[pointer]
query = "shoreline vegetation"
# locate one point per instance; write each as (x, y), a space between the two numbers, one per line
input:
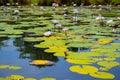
(60, 2)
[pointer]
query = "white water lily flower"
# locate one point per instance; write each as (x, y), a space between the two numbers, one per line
(48, 33)
(42, 8)
(100, 18)
(118, 18)
(109, 21)
(16, 12)
(16, 3)
(65, 29)
(8, 4)
(58, 25)
(74, 4)
(64, 8)
(55, 21)
(75, 11)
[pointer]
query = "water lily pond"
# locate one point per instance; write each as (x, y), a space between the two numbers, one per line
(62, 43)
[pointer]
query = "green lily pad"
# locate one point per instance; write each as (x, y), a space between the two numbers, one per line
(32, 39)
(49, 43)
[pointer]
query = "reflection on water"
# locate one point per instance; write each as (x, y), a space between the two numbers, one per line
(79, 49)
(19, 53)
(28, 51)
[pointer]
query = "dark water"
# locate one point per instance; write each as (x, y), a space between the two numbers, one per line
(19, 53)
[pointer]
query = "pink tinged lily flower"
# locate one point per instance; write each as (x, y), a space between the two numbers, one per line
(32, 4)
(100, 9)
(48, 33)
(100, 17)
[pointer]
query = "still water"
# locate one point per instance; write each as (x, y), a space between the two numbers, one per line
(15, 51)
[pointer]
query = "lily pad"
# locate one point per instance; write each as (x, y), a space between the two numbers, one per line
(106, 65)
(47, 79)
(32, 39)
(16, 77)
(82, 61)
(56, 49)
(4, 66)
(105, 40)
(84, 69)
(102, 75)
(14, 67)
(41, 62)
(30, 79)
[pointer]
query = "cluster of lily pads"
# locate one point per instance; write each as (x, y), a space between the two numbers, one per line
(32, 24)
(20, 77)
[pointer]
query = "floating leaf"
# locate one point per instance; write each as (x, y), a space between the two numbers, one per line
(4, 66)
(41, 62)
(16, 77)
(106, 65)
(56, 49)
(48, 79)
(30, 79)
(109, 59)
(59, 54)
(32, 39)
(49, 43)
(14, 67)
(82, 61)
(3, 79)
(102, 75)
(84, 69)
(104, 40)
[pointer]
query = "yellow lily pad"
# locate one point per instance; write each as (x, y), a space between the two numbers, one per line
(102, 75)
(16, 77)
(14, 67)
(30, 79)
(56, 49)
(84, 69)
(109, 59)
(4, 66)
(41, 62)
(47, 79)
(105, 40)
(82, 61)
(106, 65)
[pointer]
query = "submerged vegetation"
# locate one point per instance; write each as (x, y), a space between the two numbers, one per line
(90, 42)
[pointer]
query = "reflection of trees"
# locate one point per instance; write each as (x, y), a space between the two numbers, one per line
(2, 44)
(28, 51)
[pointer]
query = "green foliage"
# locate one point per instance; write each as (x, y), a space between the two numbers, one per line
(115, 1)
